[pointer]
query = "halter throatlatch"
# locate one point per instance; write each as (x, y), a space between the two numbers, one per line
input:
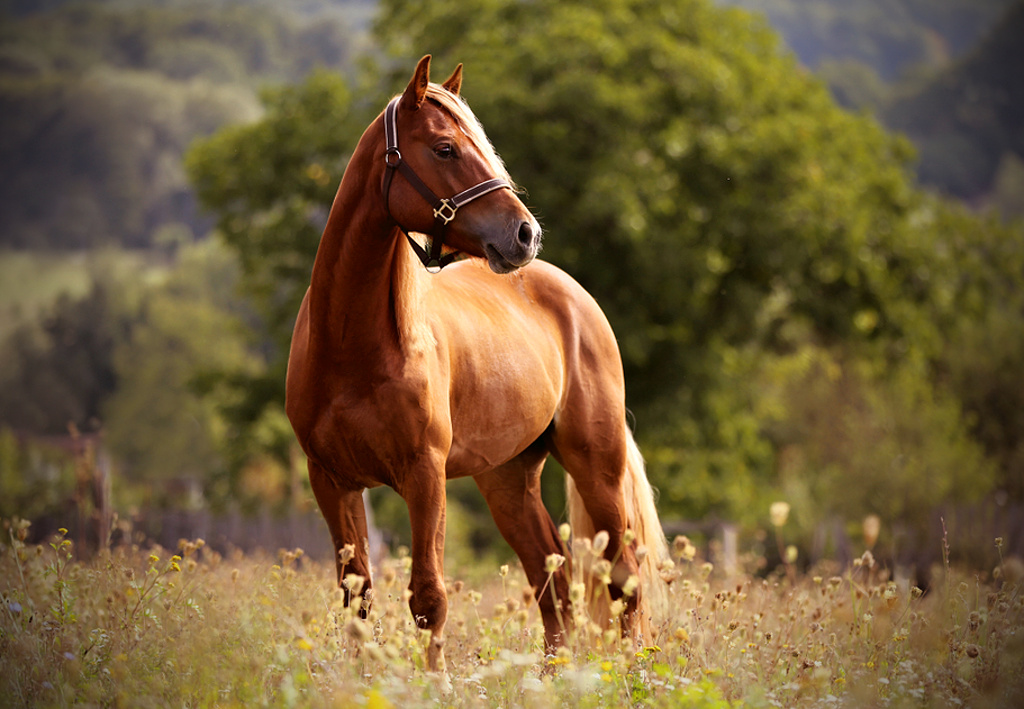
(444, 209)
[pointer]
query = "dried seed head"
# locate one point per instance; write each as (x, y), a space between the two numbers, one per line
(778, 512)
(347, 553)
(641, 554)
(354, 583)
(553, 562)
(870, 527)
(600, 542)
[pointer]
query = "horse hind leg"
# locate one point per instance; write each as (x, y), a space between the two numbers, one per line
(345, 515)
(601, 461)
(512, 492)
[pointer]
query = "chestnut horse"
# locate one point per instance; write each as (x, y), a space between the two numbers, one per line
(400, 378)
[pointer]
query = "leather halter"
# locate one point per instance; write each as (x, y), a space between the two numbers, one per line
(444, 209)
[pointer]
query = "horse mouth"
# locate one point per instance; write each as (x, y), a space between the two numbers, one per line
(498, 263)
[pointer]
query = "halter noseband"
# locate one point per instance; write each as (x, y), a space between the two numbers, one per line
(444, 209)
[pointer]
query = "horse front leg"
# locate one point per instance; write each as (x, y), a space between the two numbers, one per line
(345, 515)
(425, 496)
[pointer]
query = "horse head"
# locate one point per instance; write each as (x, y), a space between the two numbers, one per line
(439, 144)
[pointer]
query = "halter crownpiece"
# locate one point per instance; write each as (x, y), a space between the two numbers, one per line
(444, 208)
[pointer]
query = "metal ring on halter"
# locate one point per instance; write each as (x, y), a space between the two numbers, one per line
(445, 211)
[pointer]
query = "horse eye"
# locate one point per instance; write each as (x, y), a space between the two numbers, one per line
(444, 150)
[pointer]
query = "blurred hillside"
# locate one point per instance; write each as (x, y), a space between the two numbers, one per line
(944, 72)
(99, 101)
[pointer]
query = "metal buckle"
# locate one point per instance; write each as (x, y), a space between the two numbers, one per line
(445, 211)
(392, 153)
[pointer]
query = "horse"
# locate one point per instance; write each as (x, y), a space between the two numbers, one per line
(406, 377)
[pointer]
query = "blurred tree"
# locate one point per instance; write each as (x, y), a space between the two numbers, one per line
(270, 184)
(60, 371)
(721, 207)
(706, 190)
(157, 427)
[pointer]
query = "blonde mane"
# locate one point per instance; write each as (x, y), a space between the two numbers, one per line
(470, 125)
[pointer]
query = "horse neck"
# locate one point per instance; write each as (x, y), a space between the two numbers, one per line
(365, 292)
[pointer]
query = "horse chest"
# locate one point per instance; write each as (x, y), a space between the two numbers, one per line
(370, 435)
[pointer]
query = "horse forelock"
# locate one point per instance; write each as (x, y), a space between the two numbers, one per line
(470, 125)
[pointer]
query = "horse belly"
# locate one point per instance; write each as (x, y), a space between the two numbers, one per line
(495, 417)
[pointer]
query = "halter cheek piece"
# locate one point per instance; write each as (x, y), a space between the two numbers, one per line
(444, 209)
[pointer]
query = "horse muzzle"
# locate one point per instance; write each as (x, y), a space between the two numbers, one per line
(514, 251)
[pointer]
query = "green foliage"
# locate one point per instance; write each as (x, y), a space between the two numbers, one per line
(727, 215)
(61, 372)
(853, 441)
(156, 425)
(708, 192)
(270, 183)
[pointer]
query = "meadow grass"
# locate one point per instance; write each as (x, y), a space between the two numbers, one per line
(187, 627)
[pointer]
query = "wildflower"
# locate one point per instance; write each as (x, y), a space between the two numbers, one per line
(628, 537)
(600, 542)
(641, 554)
(684, 549)
(791, 554)
(682, 635)
(553, 562)
(617, 607)
(870, 527)
(576, 593)
(347, 553)
(564, 532)
(603, 571)
(503, 571)
(354, 583)
(778, 512)
(706, 568)
(358, 630)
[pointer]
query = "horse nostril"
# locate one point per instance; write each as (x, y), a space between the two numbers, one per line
(525, 234)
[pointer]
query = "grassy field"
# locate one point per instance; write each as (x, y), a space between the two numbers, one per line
(186, 627)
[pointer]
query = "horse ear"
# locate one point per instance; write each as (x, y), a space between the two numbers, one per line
(454, 82)
(416, 91)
